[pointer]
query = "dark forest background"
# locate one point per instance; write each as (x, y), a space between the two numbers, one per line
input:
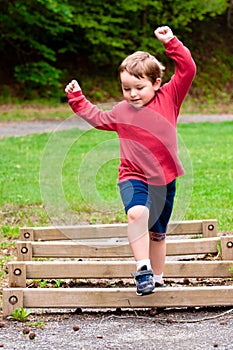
(45, 43)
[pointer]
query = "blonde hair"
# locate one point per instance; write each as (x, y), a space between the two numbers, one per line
(142, 64)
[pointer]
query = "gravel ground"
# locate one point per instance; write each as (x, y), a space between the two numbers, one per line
(170, 329)
(177, 329)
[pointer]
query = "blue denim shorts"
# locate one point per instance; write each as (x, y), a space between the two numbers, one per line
(158, 199)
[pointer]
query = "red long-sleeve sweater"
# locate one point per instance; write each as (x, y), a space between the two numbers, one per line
(148, 136)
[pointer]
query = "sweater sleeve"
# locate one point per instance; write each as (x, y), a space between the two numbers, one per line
(185, 70)
(104, 120)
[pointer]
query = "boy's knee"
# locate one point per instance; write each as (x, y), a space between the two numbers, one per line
(157, 236)
(138, 212)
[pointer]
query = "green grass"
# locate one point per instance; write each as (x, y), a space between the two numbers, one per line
(210, 148)
(36, 111)
(53, 109)
(70, 176)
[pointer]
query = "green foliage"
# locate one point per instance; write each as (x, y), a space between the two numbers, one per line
(214, 58)
(9, 232)
(41, 37)
(20, 314)
(113, 31)
(182, 13)
(37, 324)
(4, 259)
(40, 75)
(47, 283)
(32, 32)
(30, 25)
(42, 284)
(58, 283)
(6, 95)
(219, 248)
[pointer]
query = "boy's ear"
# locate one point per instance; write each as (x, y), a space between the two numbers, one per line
(157, 84)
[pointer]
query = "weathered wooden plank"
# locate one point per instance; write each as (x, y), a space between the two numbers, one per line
(227, 247)
(192, 246)
(24, 251)
(73, 249)
(74, 232)
(198, 269)
(113, 269)
(27, 234)
(111, 249)
(12, 298)
(119, 297)
(209, 228)
(19, 272)
(206, 227)
(89, 231)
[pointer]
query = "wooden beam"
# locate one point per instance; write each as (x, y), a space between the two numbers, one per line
(27, 234)
(227, 247)
(118, 297)
(19, 272)
(209, 228)
(192, 246)
(76, 232)
(108, 249)
(12, 298)
(24, 251)
(190, 227)
(198, 269)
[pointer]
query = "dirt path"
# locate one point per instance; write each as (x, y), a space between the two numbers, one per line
(22, 128)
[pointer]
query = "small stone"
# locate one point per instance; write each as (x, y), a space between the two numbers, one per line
(118, 311)
(2, 324)
(76, 327)
(99, 336)
(223, 323)
(78, 311)
(186, 281)
(153, 311)
(32, 335)
(170, 320)
(26, 330)
(1, 345)
(215, 345)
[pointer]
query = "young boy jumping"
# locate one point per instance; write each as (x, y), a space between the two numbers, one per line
(146, 126)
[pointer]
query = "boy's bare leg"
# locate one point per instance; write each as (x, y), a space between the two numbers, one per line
(157, 256)
(138, 231)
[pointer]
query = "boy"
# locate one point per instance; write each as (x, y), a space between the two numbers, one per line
(146, 126)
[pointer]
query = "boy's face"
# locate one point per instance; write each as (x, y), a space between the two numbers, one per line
(138, 91)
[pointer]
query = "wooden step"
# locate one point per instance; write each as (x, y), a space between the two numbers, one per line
(114, 297)
(206, 228)
(118, 249)
(19, 272)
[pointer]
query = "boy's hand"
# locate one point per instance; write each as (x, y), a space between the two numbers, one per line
(72, 87)
(164, 34)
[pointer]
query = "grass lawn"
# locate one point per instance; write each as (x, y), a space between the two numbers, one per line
(53, 109)
(210, 149)
(71, 176)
